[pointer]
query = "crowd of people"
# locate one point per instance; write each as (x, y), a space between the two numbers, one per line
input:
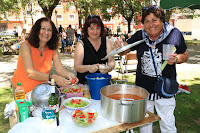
(41, 49)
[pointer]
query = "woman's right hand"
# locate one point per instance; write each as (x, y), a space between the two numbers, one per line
(118, 44)
(61, 81)
(93, 68)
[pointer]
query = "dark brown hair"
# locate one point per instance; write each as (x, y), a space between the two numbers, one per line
(35, 30)
(93, 19)
(156, 10)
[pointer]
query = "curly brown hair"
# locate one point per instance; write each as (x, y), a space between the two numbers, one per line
(34, 40)
(93, 19)
(156, 10)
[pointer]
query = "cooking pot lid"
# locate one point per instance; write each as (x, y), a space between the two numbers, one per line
(42, 89)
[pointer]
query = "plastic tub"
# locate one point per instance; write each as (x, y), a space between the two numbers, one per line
(96, 81)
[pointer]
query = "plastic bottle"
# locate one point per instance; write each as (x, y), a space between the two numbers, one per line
(53, 101)
(19, 92)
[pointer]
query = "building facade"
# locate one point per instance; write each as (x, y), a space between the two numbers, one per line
(117, 25)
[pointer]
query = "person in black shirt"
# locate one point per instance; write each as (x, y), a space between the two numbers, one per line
(156, 33)
(91, 49)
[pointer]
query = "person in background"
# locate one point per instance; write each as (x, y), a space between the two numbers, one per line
(91, 49)
(122, 37)
(60, 29)
(70, 38)
(15, 31)
(79, 33)
(157, 32)
(63, 40)
(36, 55)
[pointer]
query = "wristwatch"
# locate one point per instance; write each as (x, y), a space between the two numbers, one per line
(50, 77)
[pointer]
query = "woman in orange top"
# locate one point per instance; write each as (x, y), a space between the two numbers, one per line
(36, 56)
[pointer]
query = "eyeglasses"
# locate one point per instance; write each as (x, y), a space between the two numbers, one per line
(155, 7)
(93, 16)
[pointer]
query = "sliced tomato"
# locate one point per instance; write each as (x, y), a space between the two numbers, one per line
(90, 121)
(77, 101)
(90, 113)
(77, 111)
(81, 116)
(79, 90)
(73, 81)
(74, 115)
(74, 90)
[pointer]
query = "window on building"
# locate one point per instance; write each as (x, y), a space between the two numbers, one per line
(109, 27)
(119, 28)
(71, 5)
(59, 17)
(71, 17)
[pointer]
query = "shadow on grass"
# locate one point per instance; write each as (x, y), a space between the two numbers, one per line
(187, 112)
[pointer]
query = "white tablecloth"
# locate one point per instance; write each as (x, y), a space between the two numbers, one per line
(36, 125)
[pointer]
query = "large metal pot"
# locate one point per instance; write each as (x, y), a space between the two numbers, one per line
(123, 110)
(41, 94)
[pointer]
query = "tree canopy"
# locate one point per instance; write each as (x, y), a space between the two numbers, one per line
(129, 9)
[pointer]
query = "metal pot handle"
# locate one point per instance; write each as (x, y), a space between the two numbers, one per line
(127, 101)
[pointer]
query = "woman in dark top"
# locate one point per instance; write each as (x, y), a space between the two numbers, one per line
(156, 33)
(91, 49)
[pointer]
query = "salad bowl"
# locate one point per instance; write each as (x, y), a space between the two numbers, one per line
(84, 118)
(74, 103)
(72, 91)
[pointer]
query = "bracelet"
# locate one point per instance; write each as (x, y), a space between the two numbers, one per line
(176, 59)
(50, 77)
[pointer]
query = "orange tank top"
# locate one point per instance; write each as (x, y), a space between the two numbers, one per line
(42, 64)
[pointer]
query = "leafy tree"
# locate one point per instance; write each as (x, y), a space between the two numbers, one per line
(8, 6)
(48, 6)
(129, 9)
(86, 8)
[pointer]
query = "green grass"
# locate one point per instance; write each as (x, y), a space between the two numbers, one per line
(5, 98)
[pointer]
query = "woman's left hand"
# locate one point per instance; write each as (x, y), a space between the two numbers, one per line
(173, 59)
(104, 68)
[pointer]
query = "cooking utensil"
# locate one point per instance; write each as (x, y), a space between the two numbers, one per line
(117, 51)
(41, 94)
(123, 110)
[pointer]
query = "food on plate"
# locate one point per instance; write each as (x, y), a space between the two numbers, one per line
(85, 117)
(73, 91)
(76, 103)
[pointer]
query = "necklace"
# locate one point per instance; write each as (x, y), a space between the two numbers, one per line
(41, 54)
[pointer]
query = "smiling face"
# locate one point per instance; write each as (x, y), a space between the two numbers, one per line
(94, 31)
(45, 33)
(153, 26)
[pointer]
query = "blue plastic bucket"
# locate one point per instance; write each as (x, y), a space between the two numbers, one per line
(96, 81)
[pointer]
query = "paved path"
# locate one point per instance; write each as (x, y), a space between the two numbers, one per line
(8, 64)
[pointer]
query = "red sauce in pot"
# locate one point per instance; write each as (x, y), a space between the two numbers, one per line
(120, 96)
